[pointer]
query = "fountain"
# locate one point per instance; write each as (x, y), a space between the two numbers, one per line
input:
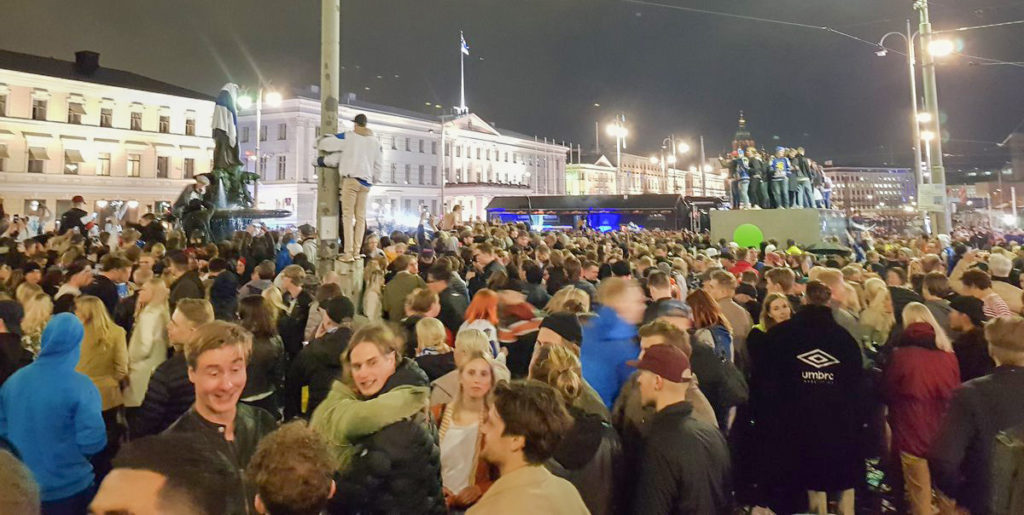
(228, 193)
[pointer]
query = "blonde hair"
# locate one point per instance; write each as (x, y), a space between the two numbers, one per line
(26, 291)
(874, 315)
(160, 296)
(430, 335)
(276, 301)
(559, 368)
(214, 335)
(38, 310)
(852, 301)
(917, 312)
(569, 300)
(96, 320)
(471, 341)
(613, 287)
(1004, 335)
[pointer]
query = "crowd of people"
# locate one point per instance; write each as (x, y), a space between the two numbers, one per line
(786, 179)
(494, 369)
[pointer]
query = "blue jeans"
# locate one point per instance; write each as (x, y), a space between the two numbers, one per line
(780, 193)
(744, 186)
(77, 504)
(804, 194)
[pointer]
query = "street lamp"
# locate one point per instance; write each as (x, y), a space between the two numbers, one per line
(271, 99)
(618, 131)
(924, 117)
(941, 47)
(654, 160)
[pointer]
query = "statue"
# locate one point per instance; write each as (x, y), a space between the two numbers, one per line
(229, 187)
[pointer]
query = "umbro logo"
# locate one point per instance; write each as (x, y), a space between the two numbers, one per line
(818, 358)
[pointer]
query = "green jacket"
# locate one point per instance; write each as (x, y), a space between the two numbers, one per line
(395, 292)
(343, 417)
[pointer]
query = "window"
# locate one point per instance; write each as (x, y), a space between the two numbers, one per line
(478, 152)
(422, 177)
(103, 164)
(263, 133)
(189, 168)
(106, 117)
(317, 132)
(3, 156)
(433, 206)
(458, 151)
(433, 175)
(506, 156)
(408, 144)
(407, 203)
(433, 147)
(408, 174)
(281, 168)
(134, 168)
(190, 126)
(263, 167)
(282, 131)
(394, 168)
(488, 155)
(394, 143)
(39, 109)
(136, 121)
(75, 112)
(3, 105)
(162, 164)
(421, 146)
(245, 134)
(72, 160)
(165, 124)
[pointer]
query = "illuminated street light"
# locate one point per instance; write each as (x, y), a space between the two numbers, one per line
(617, 131)
(927, 135)
(273, 99)
(941, 47)
(924, 117)
(654, 160)
(244, 101)
(671, 160)
(683, 147)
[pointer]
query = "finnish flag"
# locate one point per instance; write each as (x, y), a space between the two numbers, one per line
(465, 46)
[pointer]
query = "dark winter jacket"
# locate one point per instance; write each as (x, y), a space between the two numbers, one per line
(12, 355)
(251, 425)
(971, 351)
(518, 325)
(813, 377)
(453, 309)
(387, 446)
(436, 365)
(685, 466)
(105, 289)
(224, 296)
(590, 457)
(316, 366)
(960, 460)
(188, 286)
(70, 219)
(292, 327)
(479, 280)
(265, 369)
(536, 295)
(169, 395)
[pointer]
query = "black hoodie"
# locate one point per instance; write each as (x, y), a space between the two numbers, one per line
(590, 457)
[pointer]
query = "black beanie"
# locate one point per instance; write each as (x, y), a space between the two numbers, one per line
(566, 325)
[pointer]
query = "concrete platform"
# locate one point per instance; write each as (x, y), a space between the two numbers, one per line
(805, 226)
(351, 273)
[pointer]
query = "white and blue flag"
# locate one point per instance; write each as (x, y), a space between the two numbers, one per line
(225, 115)
(465, 46)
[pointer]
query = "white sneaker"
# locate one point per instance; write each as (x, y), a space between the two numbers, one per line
(347, 257)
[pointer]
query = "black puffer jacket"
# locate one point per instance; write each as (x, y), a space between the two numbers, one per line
(169, 395)
(396, 470)
(590, 457)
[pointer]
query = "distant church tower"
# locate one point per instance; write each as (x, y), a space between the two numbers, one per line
(742, 138)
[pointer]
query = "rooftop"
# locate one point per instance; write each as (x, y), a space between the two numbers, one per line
(85, 68)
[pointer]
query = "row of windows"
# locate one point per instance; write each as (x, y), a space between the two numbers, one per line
(282, 168)
(496, 155)
(282, 133)
(76, 110)
(133, 165)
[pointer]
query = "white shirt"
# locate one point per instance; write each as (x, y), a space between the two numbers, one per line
(458, 448)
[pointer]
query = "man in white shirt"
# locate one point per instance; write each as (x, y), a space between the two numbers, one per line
(358, 157)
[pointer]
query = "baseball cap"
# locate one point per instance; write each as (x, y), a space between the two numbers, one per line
(338, 309)
(566, 325)
(970, 306)
(667, 361)
(427, 253)
(77, 199)
(674, 308)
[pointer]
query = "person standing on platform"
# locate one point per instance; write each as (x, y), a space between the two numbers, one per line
(741, 176)
(804, 174)
(359, 159)
(758, 179)
(780, 169)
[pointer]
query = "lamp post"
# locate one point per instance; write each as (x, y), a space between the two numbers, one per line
(934, 48)
(272, 99)
(916, 119)
(619, 131)
(670, 143)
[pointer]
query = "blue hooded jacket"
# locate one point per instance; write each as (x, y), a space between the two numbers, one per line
(608, 342)
(53, 415)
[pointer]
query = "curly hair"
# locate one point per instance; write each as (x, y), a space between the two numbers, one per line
(292, 470)
(533, 410)
(560, 369)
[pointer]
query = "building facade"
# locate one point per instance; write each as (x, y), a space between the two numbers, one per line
(427, 164)
(595, 174)
(873, 191)
(74, 128)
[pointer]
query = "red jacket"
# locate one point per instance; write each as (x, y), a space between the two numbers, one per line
(918, 384)
(741, 266)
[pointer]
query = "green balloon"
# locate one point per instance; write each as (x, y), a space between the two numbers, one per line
(748, 235)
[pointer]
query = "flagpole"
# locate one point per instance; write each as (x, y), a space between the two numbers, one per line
(462, 73)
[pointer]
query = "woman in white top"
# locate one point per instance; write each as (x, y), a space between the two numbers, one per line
(148, 346)
(464, 475)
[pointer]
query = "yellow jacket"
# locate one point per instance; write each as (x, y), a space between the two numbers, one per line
(106, 363)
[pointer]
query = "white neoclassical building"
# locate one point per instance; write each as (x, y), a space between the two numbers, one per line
(75, 128)
(479, 162)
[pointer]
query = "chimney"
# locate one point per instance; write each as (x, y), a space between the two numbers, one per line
(86, 62)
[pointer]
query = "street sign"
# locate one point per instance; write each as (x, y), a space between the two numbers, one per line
(930, 197)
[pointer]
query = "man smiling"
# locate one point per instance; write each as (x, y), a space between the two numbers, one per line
(217, 353)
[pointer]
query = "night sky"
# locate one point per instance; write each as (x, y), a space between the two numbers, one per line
(539, 66)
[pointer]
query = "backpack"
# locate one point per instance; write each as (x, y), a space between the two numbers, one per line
(1007, 492)
(723, 341)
